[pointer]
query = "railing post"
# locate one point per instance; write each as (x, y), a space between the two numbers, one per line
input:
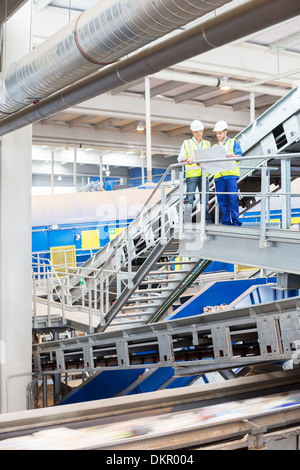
(162, 215)
(203, 205)
(34, 301)
(181, 195)
(262, 242)
(38, 267)
(106, 294)
(90, 309)
(63, 300)
(217, 213)
(268, 198)
(101, 296)
(286, 189)
(95, 293)
(48, 301)
(129, 258)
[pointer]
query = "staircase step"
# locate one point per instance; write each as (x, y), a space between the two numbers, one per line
(158, 281)
(168, 272)
(144, 298)
(157, 289)
(174, 263)
(140, 307)
(133, 315)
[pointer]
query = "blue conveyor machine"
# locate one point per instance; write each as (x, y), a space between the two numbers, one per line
(234, 293)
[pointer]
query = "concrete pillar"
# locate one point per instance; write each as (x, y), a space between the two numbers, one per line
(15, 240)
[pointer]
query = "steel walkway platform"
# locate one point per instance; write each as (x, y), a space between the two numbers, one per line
(273, 249)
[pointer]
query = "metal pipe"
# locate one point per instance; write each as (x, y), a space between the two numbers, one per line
(245, 19)
(215, 82)
(101, 35)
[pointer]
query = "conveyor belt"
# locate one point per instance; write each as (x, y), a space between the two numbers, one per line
(245, 409)
(224, 340)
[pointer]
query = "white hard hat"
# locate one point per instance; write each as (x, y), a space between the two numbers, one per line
(196, 126)
(221, 126)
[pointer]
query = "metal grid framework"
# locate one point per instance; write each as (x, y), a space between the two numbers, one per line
(192, 345)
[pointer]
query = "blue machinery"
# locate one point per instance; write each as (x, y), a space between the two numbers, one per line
(140, 273)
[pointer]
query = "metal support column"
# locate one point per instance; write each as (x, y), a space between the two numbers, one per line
(148, 129)
(15, 251)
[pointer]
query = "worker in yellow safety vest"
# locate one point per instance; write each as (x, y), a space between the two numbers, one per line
(226, 181)
(193, 171)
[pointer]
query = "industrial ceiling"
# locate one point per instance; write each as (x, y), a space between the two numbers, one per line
(261, 68)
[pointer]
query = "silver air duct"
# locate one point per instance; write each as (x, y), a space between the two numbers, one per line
(245, 19)
(101, 35)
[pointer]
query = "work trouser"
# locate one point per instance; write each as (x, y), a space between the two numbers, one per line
(228, 203)
(191, 185)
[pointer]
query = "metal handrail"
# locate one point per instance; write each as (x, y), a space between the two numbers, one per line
(265, 194)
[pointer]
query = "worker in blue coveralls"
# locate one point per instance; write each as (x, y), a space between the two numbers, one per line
(226, 181)
(193, 170)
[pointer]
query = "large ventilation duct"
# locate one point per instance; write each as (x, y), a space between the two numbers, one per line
(101, 35)
(245, 19)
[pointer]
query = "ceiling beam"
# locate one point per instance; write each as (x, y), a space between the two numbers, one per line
(224, 97)
(265, 100)
(157, 128)
(285, 43)
(79, 120)
(188, 95)
(215, 82)
(104, 123)
(164, 88)
(179, 131)
(130, 126)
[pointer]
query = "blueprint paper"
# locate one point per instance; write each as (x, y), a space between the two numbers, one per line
(213, 153)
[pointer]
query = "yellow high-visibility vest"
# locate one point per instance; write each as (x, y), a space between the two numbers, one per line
(193, 170)
(229, 145)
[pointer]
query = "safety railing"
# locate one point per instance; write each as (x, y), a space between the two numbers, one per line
(51, 290)
(154, 223)
(264, 196)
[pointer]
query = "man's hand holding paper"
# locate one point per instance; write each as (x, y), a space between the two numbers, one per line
(215, 153)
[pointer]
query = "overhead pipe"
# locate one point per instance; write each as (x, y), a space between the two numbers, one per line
(215, 82)
(245, 19)
(101, 35)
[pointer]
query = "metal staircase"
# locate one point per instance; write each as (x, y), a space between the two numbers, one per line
(122, 254)
(156, 285)
(140, 273)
